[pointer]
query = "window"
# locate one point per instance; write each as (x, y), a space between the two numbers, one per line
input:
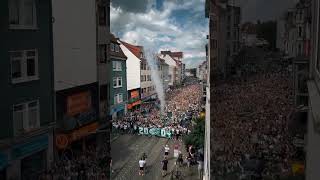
(117, 47)
(117, 82)
(112, 47)
(118, 98)
(26, 117)
(102, 53)
(24, 65)
(102, 15)
(141, 55)
(300, 31)
(116, 66)
(22, 14)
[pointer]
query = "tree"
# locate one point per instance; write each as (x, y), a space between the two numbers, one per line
(196, 137)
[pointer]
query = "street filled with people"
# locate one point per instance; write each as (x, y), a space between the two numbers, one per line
(182, 104)
(249, 124)
(83, 164)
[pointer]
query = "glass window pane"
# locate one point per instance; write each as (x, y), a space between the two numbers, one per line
(16, 69)
(29, 12)
(114, 82)
(14, 12)
(33, 117)
(31, 67)
(120, 81)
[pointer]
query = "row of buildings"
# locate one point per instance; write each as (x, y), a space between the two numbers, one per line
(224, 39)
(63, 78)
(298, 33)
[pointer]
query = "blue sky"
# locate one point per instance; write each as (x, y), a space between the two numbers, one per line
(176, 25)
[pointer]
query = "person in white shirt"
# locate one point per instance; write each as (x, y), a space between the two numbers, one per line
(142, 163)
(166, 150)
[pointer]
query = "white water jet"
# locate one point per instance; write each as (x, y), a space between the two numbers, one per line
(152, 60)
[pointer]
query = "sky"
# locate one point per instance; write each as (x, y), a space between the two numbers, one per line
(176, 25)
(180, 25)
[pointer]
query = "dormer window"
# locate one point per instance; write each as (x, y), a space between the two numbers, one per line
(112, 47)
(141, 55)
(117, 47)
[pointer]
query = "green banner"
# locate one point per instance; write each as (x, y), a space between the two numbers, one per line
(160, 132)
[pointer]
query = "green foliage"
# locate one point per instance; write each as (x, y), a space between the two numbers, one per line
(196, 137)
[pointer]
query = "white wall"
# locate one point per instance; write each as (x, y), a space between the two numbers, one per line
(172, 65)
(133, 69)
(74, 42)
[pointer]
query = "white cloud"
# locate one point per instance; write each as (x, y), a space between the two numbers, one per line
(158, 30)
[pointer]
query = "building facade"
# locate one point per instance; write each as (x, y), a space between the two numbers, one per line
(313, 129)
(118, 91)
(26, 78)
(133, 75)
(76, 93)
(224, 27)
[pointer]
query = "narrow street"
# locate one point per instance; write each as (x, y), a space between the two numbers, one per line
(126, 151)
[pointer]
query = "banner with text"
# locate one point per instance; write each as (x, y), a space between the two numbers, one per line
(155, 132)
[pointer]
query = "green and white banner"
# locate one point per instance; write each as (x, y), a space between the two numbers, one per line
(160, 132)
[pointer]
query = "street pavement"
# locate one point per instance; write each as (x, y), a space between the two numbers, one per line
(127, 149)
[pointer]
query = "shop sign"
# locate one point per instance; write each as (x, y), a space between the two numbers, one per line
(78, 103)
(130, 106)
(3, 160)
(134, 94)
(159, 132)
(84, 131)
(35, 144)
(63, 140)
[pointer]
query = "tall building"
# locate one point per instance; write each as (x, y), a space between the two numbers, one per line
(224, 29)
(313, 129)
(179, 69)
(76, 74)
(26, 81)
(211, 58)
(172, 66)
(104, 73)
(118, 91)
(133, 75)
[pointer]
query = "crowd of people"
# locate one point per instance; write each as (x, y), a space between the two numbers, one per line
(249, 124)
(182, 104)
(85, 165)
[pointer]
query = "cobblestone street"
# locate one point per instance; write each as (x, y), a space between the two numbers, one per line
(127, 149)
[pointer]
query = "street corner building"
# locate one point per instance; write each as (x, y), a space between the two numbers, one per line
(26, 81)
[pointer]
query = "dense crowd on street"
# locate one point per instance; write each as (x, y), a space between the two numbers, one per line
(250, 123)
(182, 104)
(86, 165)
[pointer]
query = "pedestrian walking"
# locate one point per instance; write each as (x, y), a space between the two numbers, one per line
(166, 150)
(141, 166)
(164, 166)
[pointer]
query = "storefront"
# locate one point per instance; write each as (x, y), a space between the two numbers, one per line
(118, 110)
(77, 140)
(29, 159)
